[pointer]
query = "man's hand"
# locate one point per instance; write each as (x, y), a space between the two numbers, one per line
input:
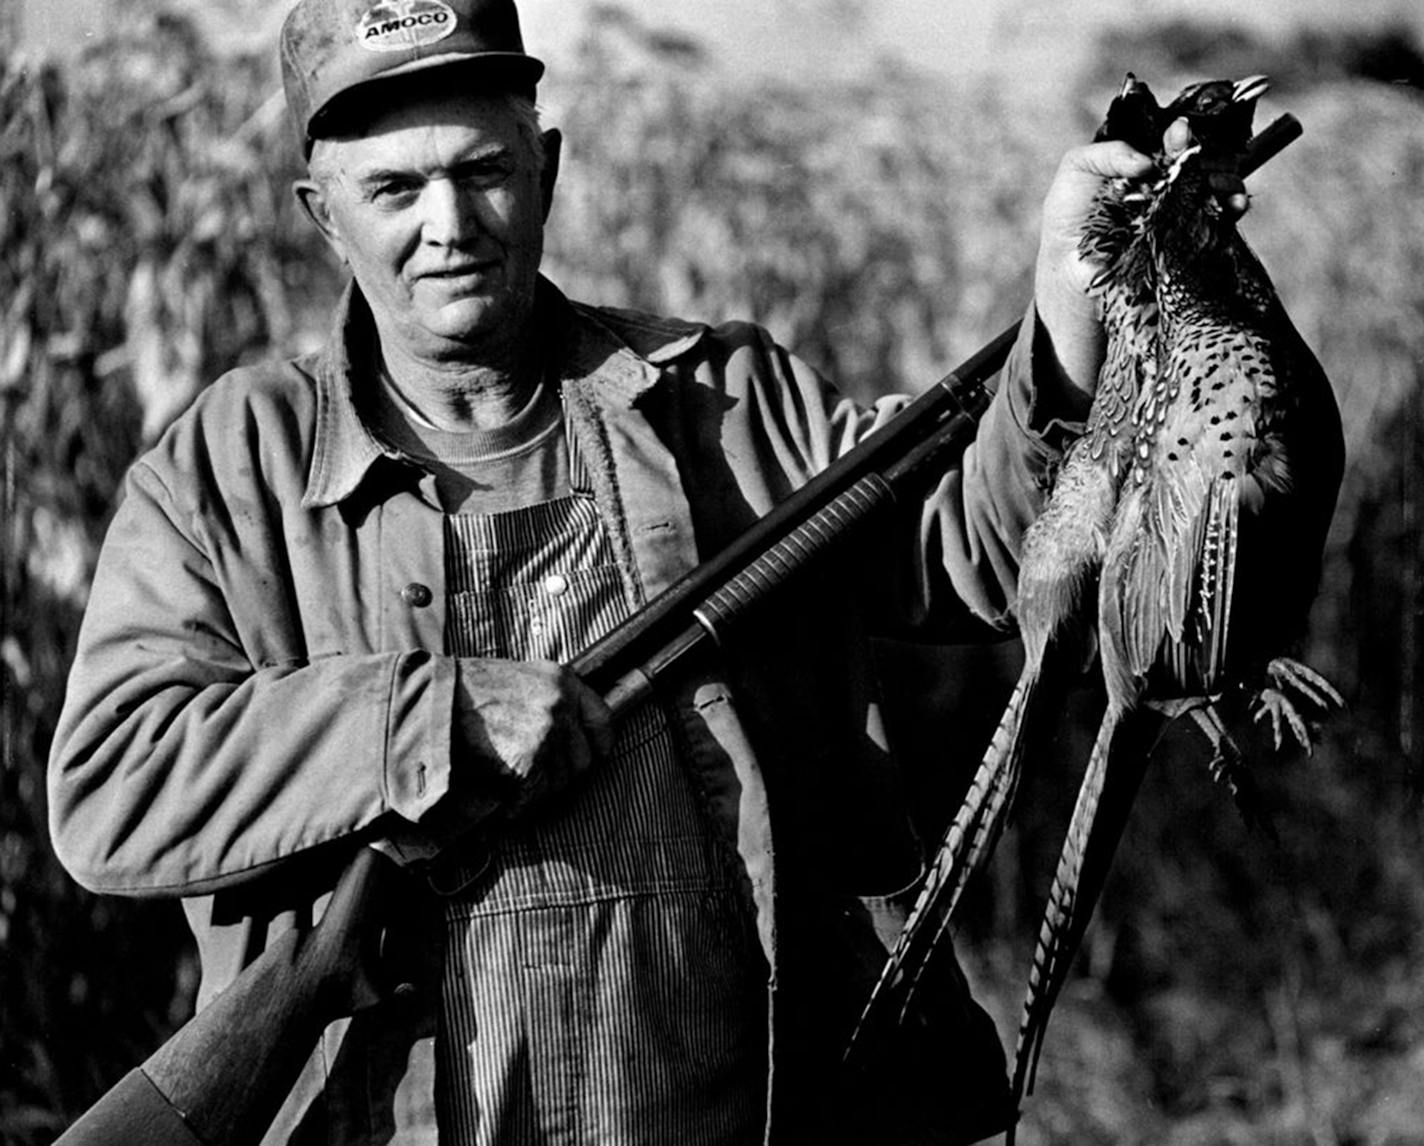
(533, 723)
(1063, 276)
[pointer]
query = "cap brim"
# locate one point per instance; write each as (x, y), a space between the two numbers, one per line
(501, 71)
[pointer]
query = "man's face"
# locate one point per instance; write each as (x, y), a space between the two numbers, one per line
(438, 207)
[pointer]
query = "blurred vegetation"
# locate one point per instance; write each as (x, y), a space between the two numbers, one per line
(1184, 50)
(1232, 990)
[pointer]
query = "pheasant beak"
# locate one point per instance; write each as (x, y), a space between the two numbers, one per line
(1252, 87)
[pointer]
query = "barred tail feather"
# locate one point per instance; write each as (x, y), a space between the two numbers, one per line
(966, 847)
(971, 839)
(1105, 798)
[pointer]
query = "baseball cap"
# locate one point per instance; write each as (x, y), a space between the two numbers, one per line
(332, 48)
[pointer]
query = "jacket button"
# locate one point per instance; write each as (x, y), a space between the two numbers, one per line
(416, 595)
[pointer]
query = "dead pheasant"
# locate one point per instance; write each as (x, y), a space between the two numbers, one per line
(1062, 551)
(1215, 545)
(1082, 525)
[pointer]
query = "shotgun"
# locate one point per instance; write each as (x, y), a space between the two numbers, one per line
(223, 1076)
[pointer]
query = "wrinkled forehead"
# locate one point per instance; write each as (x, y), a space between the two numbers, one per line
(419, 145)
(426, 134)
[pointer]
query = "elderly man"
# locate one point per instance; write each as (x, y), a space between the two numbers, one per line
(334, 605)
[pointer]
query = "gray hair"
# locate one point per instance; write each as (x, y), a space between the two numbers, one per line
(531, 128)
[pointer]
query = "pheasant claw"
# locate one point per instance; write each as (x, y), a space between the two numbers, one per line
(1273, 702)
(1289, 673)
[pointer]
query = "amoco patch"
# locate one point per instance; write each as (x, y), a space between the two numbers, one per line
(399, 25)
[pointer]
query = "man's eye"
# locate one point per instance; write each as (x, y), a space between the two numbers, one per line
(394, 191)
(481, 175)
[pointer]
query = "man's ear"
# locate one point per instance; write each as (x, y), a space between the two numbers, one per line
(312, 196)
(553, 145)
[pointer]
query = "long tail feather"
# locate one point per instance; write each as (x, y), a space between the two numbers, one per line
(971, 839)
(966, 847)
(1105, 798)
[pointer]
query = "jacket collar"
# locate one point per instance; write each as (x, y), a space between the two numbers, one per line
(619, 352)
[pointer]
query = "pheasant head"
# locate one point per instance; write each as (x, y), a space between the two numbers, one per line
(1192, 235)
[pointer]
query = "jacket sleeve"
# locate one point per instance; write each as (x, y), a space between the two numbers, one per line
(190, 755)
(971, 527)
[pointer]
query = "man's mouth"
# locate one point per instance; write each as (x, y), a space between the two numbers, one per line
(459, 271)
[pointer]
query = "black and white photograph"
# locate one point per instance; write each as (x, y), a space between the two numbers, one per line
(628, 573)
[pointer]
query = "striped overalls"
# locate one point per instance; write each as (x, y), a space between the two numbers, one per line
(603, 982)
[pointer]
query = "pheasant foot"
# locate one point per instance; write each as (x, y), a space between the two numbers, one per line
(1276, 702)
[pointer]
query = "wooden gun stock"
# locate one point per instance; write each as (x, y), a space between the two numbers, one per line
(223, 1076)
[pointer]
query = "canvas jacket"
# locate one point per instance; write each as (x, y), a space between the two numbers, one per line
(262, 675)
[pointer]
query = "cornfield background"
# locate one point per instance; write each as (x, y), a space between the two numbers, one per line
(1234, 989)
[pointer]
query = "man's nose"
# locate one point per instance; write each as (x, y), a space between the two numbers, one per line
(451, 213)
